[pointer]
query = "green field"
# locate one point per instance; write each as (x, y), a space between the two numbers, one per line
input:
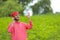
(45, 27)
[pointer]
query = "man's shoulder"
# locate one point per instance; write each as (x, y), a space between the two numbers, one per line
(11, 23)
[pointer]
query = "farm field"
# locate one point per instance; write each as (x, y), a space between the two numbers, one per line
(45, 27)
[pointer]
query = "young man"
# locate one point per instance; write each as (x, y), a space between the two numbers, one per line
(18, 29)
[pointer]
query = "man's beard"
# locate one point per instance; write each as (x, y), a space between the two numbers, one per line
(16, 19)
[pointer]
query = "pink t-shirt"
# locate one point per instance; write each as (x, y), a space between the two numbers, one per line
(18, 30)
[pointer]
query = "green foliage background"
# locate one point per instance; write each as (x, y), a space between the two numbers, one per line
(9, 6)
(45, 27)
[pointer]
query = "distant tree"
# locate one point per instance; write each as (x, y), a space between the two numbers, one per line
(45, 4)
(10, 6)
(24, 2)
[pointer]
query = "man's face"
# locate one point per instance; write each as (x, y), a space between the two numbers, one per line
(17, 17)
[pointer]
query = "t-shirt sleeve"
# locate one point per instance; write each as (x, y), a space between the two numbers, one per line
(10, 28)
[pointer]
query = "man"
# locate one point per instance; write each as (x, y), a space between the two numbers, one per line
(18, 29)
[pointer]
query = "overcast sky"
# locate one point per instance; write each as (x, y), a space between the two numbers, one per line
(55, 4)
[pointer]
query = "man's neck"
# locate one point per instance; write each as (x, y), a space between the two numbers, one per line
(16, 21)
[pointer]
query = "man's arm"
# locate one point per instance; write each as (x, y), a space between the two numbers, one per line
(29, 26)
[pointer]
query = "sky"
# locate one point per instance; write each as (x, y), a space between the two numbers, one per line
(55, 4)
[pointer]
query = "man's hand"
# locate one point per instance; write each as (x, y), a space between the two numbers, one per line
(28, 16)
